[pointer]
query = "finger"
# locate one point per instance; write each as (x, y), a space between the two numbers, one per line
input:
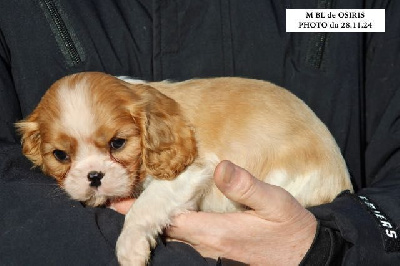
(193, 227)
(202, 230)
(268, 201)
(188, 224)
(122, 206)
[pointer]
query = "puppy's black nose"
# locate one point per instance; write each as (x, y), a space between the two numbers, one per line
(95, 178)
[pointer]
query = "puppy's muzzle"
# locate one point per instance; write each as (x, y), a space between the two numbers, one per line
(95, 178)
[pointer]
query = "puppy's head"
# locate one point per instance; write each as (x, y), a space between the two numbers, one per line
(99, 137)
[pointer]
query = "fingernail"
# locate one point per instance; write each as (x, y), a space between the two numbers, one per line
(227, 172)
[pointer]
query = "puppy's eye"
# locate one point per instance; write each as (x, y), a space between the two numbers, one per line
(60, 155)
(117, 143)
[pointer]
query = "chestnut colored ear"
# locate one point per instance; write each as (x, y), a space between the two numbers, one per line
(30, 140)
(168, 140)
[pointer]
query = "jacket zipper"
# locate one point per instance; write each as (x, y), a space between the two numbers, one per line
(65, 41)
(317, 44)
(316, 50)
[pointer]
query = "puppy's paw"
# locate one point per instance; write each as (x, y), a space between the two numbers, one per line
(133, 248)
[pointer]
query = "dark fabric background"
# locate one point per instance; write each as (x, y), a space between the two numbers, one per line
(352, 85)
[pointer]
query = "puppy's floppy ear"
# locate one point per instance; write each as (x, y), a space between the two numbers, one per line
(168, 141)
(30, 139)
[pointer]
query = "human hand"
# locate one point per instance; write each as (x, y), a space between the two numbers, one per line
(276, 231)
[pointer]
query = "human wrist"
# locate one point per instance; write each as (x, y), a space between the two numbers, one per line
(300, 234)
(306, 236)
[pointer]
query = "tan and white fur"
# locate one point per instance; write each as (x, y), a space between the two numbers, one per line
(103, 139)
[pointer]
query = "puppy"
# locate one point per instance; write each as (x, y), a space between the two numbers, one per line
(103, 139)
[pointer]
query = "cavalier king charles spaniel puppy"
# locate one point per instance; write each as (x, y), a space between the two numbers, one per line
(105, 138)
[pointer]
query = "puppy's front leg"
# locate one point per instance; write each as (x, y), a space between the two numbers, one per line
(152, 211)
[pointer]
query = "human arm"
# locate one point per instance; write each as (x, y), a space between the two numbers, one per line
(364, 225)
(39, 224)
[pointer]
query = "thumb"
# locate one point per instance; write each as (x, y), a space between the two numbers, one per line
(268, 201)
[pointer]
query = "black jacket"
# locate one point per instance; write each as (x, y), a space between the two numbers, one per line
(350, 80)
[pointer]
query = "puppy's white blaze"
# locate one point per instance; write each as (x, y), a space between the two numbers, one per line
(77, 116)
